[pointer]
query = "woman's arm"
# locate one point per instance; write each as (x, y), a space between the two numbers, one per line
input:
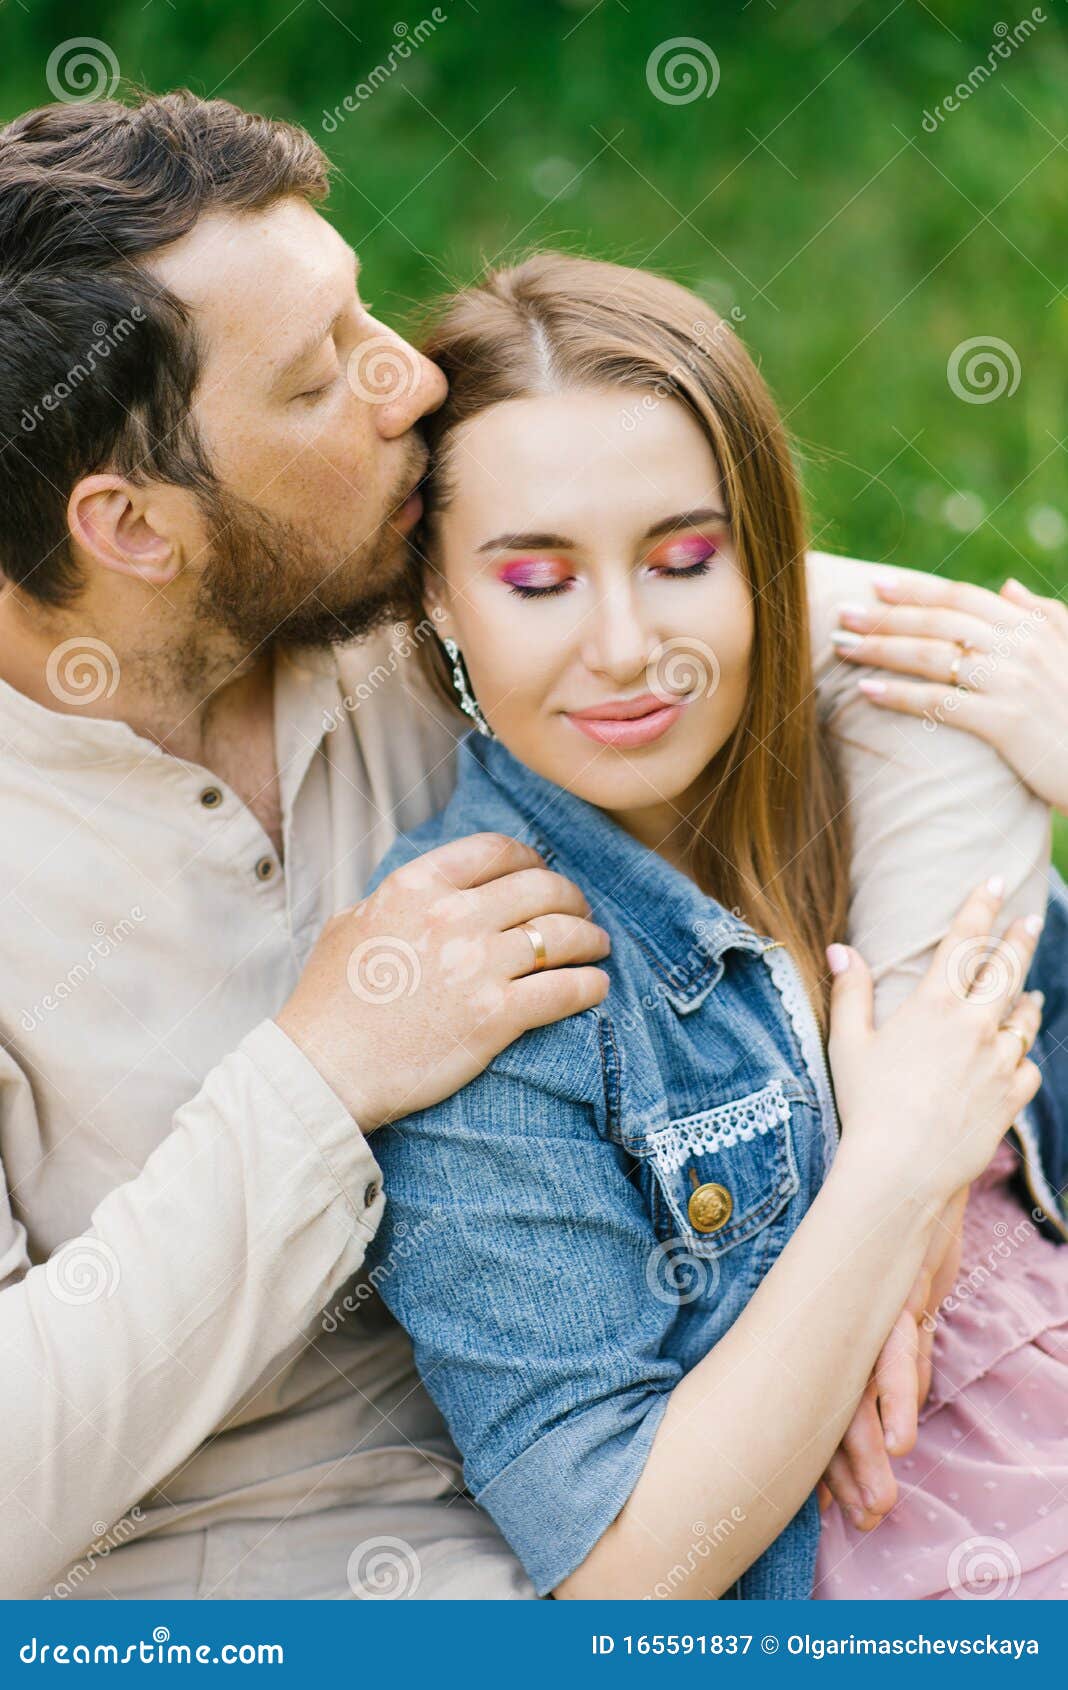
(521, 1257)
(750, 1428)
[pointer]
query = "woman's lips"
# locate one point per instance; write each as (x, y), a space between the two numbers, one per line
(626, 732)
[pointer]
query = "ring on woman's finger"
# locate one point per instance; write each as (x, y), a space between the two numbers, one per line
(963, 650)
(538, 944)
(1025, 1042)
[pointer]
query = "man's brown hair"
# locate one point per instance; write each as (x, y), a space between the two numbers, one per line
(98, 362)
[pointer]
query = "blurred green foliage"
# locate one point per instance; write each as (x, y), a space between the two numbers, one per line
(862, 246)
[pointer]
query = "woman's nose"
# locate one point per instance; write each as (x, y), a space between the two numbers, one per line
(400, 384)
(619, 644)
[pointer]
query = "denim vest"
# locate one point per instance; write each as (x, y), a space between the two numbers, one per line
(683, 1129)
(597, 1208)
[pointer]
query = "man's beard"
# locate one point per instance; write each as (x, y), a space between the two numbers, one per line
(268, 584)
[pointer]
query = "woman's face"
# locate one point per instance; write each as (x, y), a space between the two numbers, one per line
(588, 574)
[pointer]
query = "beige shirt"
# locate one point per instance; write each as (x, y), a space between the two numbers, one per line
(185, 1196)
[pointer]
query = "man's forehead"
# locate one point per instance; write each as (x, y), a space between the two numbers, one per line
(256, 278)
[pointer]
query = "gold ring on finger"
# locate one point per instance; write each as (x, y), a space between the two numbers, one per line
(1025, 1042)
(538, 944)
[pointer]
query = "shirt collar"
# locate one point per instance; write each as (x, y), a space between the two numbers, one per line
(682, 930)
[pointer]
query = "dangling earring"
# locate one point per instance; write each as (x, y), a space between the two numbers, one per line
(468, 702)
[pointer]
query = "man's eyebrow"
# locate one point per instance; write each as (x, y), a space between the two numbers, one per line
(315, 338)
(558, 542)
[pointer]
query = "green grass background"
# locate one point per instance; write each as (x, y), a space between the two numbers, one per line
(805, 191)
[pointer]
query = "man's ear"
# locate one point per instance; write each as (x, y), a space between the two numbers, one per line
(129, 529)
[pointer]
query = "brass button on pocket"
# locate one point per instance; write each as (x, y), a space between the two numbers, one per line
(709, 1207)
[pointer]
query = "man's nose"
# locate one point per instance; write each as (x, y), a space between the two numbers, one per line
(416, 385)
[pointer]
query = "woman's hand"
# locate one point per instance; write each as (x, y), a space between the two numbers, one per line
(859, 1476)
(995, 664)
(926, 1098)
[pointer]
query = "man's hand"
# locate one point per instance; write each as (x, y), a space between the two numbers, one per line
(859, 1476)
(413, 992)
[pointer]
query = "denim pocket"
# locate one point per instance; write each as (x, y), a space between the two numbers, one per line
(722, 1175)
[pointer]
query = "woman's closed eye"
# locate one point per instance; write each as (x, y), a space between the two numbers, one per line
(685, 555)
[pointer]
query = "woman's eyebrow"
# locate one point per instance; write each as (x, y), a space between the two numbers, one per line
(685, 519)
(527, 542)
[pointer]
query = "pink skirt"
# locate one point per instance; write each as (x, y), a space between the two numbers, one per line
(982, 1509)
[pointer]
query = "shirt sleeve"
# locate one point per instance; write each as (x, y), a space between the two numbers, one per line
(934, 810)
(129, 1346)
(517, 1252)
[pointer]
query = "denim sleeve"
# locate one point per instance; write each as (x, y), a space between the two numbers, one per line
(516, 1251)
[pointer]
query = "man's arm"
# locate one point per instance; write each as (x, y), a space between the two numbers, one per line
(129, 1346)
(933, 809)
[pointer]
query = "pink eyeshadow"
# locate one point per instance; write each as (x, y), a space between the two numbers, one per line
(534, 572)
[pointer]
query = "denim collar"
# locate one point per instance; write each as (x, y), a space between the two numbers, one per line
(683, 932)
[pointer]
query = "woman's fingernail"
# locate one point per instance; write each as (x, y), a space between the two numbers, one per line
(838, 958)
(857, 1516)
(996, 886)
(862, 611)
(846, 637)
(884, 583)
(1034, 925)
(869, 1496)
(1038, 999)
(871, 688)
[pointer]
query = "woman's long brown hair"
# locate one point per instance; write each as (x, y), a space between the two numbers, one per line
(771, 839)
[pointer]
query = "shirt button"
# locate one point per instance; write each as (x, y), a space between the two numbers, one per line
(709, 1207)
(264, 868)
(211, 798)
(371, 1193)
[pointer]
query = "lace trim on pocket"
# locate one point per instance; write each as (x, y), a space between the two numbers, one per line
(720, 1128)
